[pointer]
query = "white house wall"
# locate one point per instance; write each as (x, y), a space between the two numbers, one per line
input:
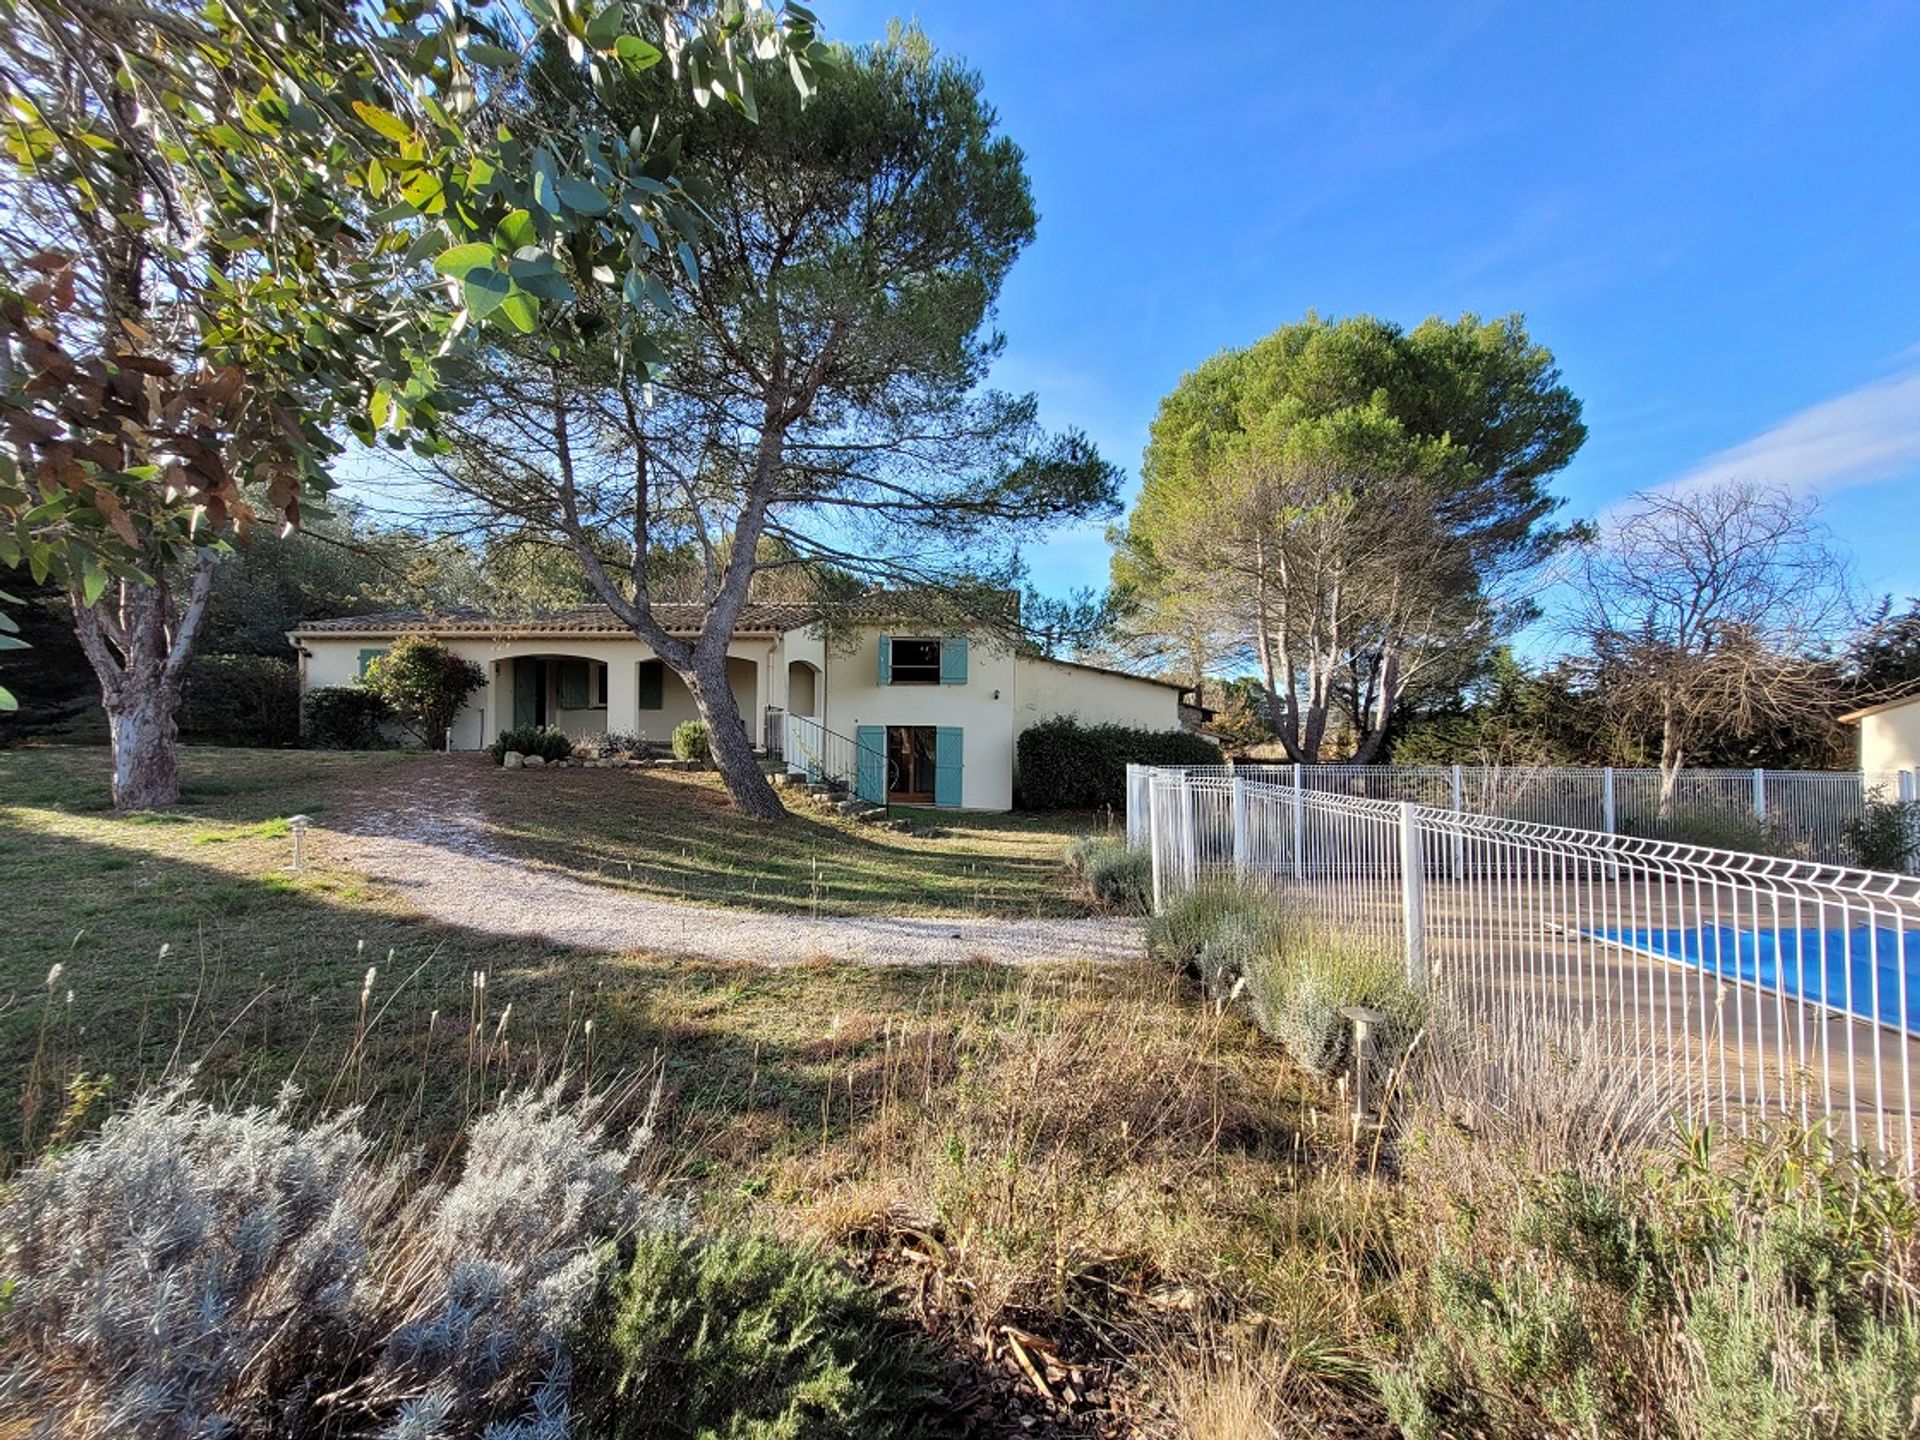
(335, 660)
(1044, 690)
(1890, 740)
(982, 709)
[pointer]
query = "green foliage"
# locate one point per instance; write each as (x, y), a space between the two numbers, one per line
(424, 684)
(1752, 1296)
(742, 1338)
(1886, 836)
(549, 742)
(1119, 876)
(1064, 765)
(346, 717)
(690, 741)
(1387, 473)
(1716, 828)
(241, 700)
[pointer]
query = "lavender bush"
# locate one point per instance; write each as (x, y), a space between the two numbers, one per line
(193, 1272)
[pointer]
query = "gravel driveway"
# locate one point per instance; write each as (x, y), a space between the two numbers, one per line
(425, 838)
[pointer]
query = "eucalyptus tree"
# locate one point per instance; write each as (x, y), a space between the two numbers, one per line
(236, 230)
(818, 403)
(1351, 502)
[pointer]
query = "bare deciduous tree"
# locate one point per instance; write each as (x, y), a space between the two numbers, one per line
(1711, 607)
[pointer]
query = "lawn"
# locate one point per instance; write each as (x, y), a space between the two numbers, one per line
(674, 835)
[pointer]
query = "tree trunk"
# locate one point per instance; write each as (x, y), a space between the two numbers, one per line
(139, 642)
(1671, 756)
(727, 737)
(146, 761)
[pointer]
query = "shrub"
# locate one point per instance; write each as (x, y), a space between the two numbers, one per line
(1668, 1289)
(608, 746)
(194, 1271)
(241, 700)
(425, 684)
(1886, 836)
(1214, 932)
(690, 741)
(346, 717)
(1300, 984)
(549, 742)
(741, 1338)
(1064, 765)
(1713, 829)
(1119, 877)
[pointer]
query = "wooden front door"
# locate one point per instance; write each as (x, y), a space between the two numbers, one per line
(910, 764)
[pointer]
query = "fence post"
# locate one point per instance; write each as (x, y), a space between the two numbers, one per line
(1299, 825)
(1240, 856)
(1413, 898)
(1606, 799)
(1455, 857)
(1759, 794)
(1189, 839)
(1153, 839)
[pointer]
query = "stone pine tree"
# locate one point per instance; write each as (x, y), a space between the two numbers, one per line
(1351, 501)
(236, 229)
(818, 401)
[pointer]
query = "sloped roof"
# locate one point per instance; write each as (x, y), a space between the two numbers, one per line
(1895, 703)
(585, 620)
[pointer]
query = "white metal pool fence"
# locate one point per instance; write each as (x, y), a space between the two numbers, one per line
(1738, 986)
(1804, 813)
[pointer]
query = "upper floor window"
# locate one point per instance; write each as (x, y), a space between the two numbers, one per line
(916, 662)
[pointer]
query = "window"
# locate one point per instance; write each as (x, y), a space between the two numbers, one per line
(916, 662)
(600, 686)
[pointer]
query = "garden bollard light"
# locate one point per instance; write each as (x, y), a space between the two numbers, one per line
(1365, 1021)
(298, 824)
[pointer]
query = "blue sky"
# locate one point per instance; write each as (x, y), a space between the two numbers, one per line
(1711, 213)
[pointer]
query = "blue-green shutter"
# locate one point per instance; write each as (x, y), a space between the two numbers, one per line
(886, 659)
(575, 678)
(653, 685)
(526, 693)
(367, 658)
(870, 783)
(953, 660)
(946, 765)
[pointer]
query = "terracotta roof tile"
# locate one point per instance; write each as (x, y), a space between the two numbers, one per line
(585, 620)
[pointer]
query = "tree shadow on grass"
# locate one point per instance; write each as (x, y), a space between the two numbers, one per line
(255, 976)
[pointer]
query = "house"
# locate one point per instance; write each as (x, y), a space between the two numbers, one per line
(916, 715)
(1889, 734)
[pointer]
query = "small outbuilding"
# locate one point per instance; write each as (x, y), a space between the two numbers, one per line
(1889, 734)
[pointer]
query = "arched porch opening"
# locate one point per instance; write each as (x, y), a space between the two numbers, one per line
(803, 688)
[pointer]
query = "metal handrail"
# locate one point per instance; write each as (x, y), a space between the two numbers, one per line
(824, 755)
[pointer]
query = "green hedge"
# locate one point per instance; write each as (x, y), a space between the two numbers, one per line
(1064, 765)
(346, 717)
(241, 700)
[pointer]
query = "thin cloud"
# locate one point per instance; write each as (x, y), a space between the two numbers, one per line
(1867, 435)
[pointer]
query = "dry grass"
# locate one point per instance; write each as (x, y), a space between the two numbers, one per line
(1119, 1201)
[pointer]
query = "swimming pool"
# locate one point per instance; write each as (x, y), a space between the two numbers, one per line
(1857, 970)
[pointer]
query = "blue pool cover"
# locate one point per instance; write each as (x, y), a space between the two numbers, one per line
(1857, 970)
